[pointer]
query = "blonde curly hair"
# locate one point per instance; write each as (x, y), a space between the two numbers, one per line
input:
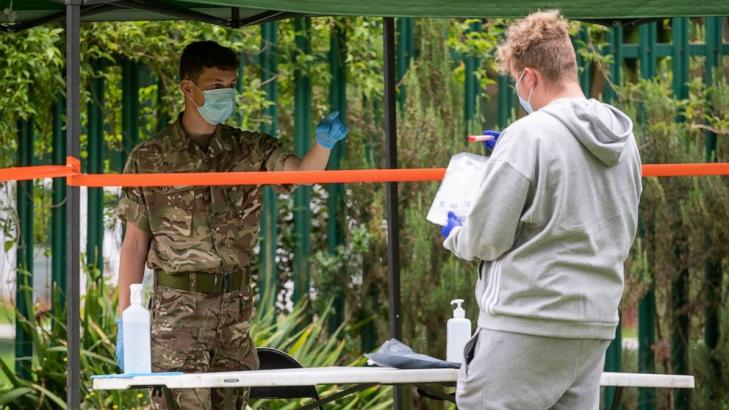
(541, 41)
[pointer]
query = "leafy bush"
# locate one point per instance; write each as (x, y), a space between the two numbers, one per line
(297, 333)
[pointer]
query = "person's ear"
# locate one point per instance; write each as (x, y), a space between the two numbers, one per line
(530, 78)
(187, 89)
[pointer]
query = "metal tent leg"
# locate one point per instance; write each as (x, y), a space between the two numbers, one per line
(393, 218)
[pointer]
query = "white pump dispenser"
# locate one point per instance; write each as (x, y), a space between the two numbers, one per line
(459, 332)
(136, 327)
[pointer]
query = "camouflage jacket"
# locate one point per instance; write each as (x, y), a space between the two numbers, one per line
(200, 228)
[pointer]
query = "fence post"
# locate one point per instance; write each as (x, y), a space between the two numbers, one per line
(302, 138)
(335, 201)
(267, 273)
(24, 265)
(94, 165)
(58, 217)
(585, 73)
(405, 49)
(505, 100)
(613, 357)
(163, 119)
(680, 286)
(712, 264)
(647, 304)
(471, 86)
(238, 114)
(130, 107)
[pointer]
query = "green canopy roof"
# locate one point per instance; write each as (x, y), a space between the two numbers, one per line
(584, 9)
(243, 12)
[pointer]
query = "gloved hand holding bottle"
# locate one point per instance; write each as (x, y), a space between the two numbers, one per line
(330, 130)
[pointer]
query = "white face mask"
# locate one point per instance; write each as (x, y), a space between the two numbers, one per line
(218, 104)
(526, 104)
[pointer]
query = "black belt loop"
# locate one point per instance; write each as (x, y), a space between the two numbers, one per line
(226, 283)
(193, 287)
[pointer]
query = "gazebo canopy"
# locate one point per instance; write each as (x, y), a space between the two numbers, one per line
(235, 13)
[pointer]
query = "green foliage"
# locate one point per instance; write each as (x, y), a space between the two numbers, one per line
(312, 346)
(475, 38)
(680, 229)
(46, 387)
(31, 71)
(295, 333)
(337, 272)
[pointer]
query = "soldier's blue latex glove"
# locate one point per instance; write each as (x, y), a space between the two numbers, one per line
(491, 144)
(119, 344)
(453, 221)
(330, 130)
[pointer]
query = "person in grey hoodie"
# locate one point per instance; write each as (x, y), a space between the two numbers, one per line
(554, 221)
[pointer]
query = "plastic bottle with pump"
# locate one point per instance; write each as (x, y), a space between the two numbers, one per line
(136, 338)
(459, 332)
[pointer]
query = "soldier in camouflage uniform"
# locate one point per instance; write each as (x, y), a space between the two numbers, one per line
(199, 239)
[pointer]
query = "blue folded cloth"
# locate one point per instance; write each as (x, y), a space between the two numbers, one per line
(130, 375)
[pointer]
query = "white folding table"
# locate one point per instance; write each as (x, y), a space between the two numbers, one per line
(359, 377)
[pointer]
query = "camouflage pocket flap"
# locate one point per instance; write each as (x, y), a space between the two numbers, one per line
(181, 196)
(173, 222)
(173, 216)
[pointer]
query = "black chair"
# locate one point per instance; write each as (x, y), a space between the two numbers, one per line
(271, 359)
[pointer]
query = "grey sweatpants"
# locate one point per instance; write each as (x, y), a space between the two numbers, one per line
(511, 371)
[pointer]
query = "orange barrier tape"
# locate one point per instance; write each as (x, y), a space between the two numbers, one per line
(35, 172)
(685, 170)
(262, 178)
(72, 171)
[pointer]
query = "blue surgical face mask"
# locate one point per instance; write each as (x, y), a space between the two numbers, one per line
(526, 104)
(218, 105)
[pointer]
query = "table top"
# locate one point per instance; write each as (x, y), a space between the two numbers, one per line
(347, 375)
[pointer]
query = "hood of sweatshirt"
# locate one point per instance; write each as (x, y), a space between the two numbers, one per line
(601, 128)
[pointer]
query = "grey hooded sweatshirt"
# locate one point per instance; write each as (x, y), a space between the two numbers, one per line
(554, 222)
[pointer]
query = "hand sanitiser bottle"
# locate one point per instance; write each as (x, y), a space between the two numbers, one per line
(459, 332)
(135, 322)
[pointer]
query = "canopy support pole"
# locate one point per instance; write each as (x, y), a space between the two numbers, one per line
(73, 148)
(393, 218)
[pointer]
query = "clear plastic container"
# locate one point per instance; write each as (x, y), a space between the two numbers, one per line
(459, 332)
(136, 329)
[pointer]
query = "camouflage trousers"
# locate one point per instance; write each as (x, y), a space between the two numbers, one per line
(195, 332)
